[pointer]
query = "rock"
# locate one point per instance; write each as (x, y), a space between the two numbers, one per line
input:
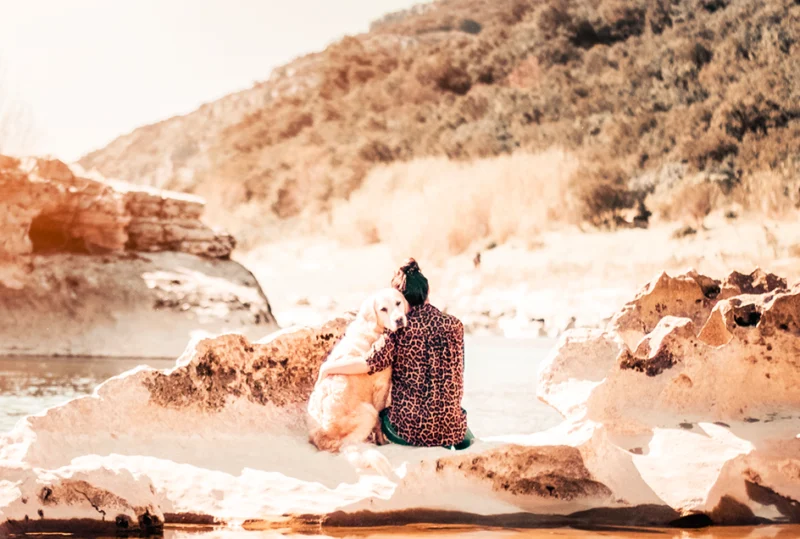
(48, 209)
(690, 295)
(703, 401)
(89, 266)
(683, 232)
(249, 399)
(671, 431)
(108, 501)
(758, 282)
(127, 305)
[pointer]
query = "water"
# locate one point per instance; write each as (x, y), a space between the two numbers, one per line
(500, 379)
(494, 366)
(452, 532)
(29, 385)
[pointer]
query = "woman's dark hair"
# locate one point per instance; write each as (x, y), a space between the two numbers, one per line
(411, 282)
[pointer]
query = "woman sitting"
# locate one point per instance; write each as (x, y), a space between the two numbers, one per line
(427, 360)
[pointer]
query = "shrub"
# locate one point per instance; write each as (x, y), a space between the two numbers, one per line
(691, 199)
(454, 79)
(710, 148)
(770, 193)
(599, 194)
(470, 26)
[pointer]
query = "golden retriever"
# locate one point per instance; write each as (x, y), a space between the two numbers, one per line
(343, 409)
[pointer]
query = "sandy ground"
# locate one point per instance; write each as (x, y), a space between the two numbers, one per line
(517, 291)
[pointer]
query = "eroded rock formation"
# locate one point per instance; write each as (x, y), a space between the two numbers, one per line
(88, 266)
(51, 210)
(696, 423)
(694, 391)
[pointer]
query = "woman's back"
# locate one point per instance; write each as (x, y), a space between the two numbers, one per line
(427, 359)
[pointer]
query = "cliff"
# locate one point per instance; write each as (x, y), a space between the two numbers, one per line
(96, 267)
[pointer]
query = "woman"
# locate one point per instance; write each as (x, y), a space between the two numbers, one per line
(427, 360)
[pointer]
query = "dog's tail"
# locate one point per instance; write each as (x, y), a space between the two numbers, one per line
(364, 457)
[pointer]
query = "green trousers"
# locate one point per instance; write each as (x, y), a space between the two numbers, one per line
(391, 433)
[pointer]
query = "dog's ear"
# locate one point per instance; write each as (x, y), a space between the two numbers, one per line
(375, 317)
(368, 311)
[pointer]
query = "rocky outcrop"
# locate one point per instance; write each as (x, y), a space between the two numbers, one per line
(703, 410)
(677, 430)
(88, 266)
(50, 210)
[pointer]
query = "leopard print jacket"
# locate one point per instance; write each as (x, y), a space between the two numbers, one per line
(427, 360)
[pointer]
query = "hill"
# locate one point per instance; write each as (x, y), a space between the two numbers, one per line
(654, 100)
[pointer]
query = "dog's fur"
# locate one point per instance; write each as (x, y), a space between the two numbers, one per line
(343, 409)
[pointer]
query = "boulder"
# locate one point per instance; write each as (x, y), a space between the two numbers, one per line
(703, 410)
(672, 431)
(88, 266)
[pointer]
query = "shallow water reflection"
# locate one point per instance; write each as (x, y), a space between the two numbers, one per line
(761, 532)
(29, 385)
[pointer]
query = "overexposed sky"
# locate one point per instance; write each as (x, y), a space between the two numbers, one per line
(91, 70)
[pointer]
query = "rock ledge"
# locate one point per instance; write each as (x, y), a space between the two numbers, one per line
(88, 266)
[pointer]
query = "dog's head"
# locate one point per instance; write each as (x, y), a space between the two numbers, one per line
(386, 308)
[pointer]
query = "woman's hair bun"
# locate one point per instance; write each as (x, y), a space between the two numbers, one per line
(409, 280)
(410, 267)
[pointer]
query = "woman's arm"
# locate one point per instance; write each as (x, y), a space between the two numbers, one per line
(351, 365)
(377, 360)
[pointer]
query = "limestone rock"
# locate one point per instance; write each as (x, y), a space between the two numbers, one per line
(705, 400)
(221, 437)
(46, 209)
(106, 501)
(690, 296)
(90, 266)
(127, 304)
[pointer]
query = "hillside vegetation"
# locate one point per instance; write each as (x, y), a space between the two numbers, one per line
(650, 101)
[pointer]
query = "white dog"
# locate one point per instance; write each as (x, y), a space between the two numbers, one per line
(343, 409)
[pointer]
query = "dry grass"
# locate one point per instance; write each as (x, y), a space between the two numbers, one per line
(435, 208)
(690, 201)
(769, 193)
(600, 193)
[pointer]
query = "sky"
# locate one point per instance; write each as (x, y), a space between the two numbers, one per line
(91, 70)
